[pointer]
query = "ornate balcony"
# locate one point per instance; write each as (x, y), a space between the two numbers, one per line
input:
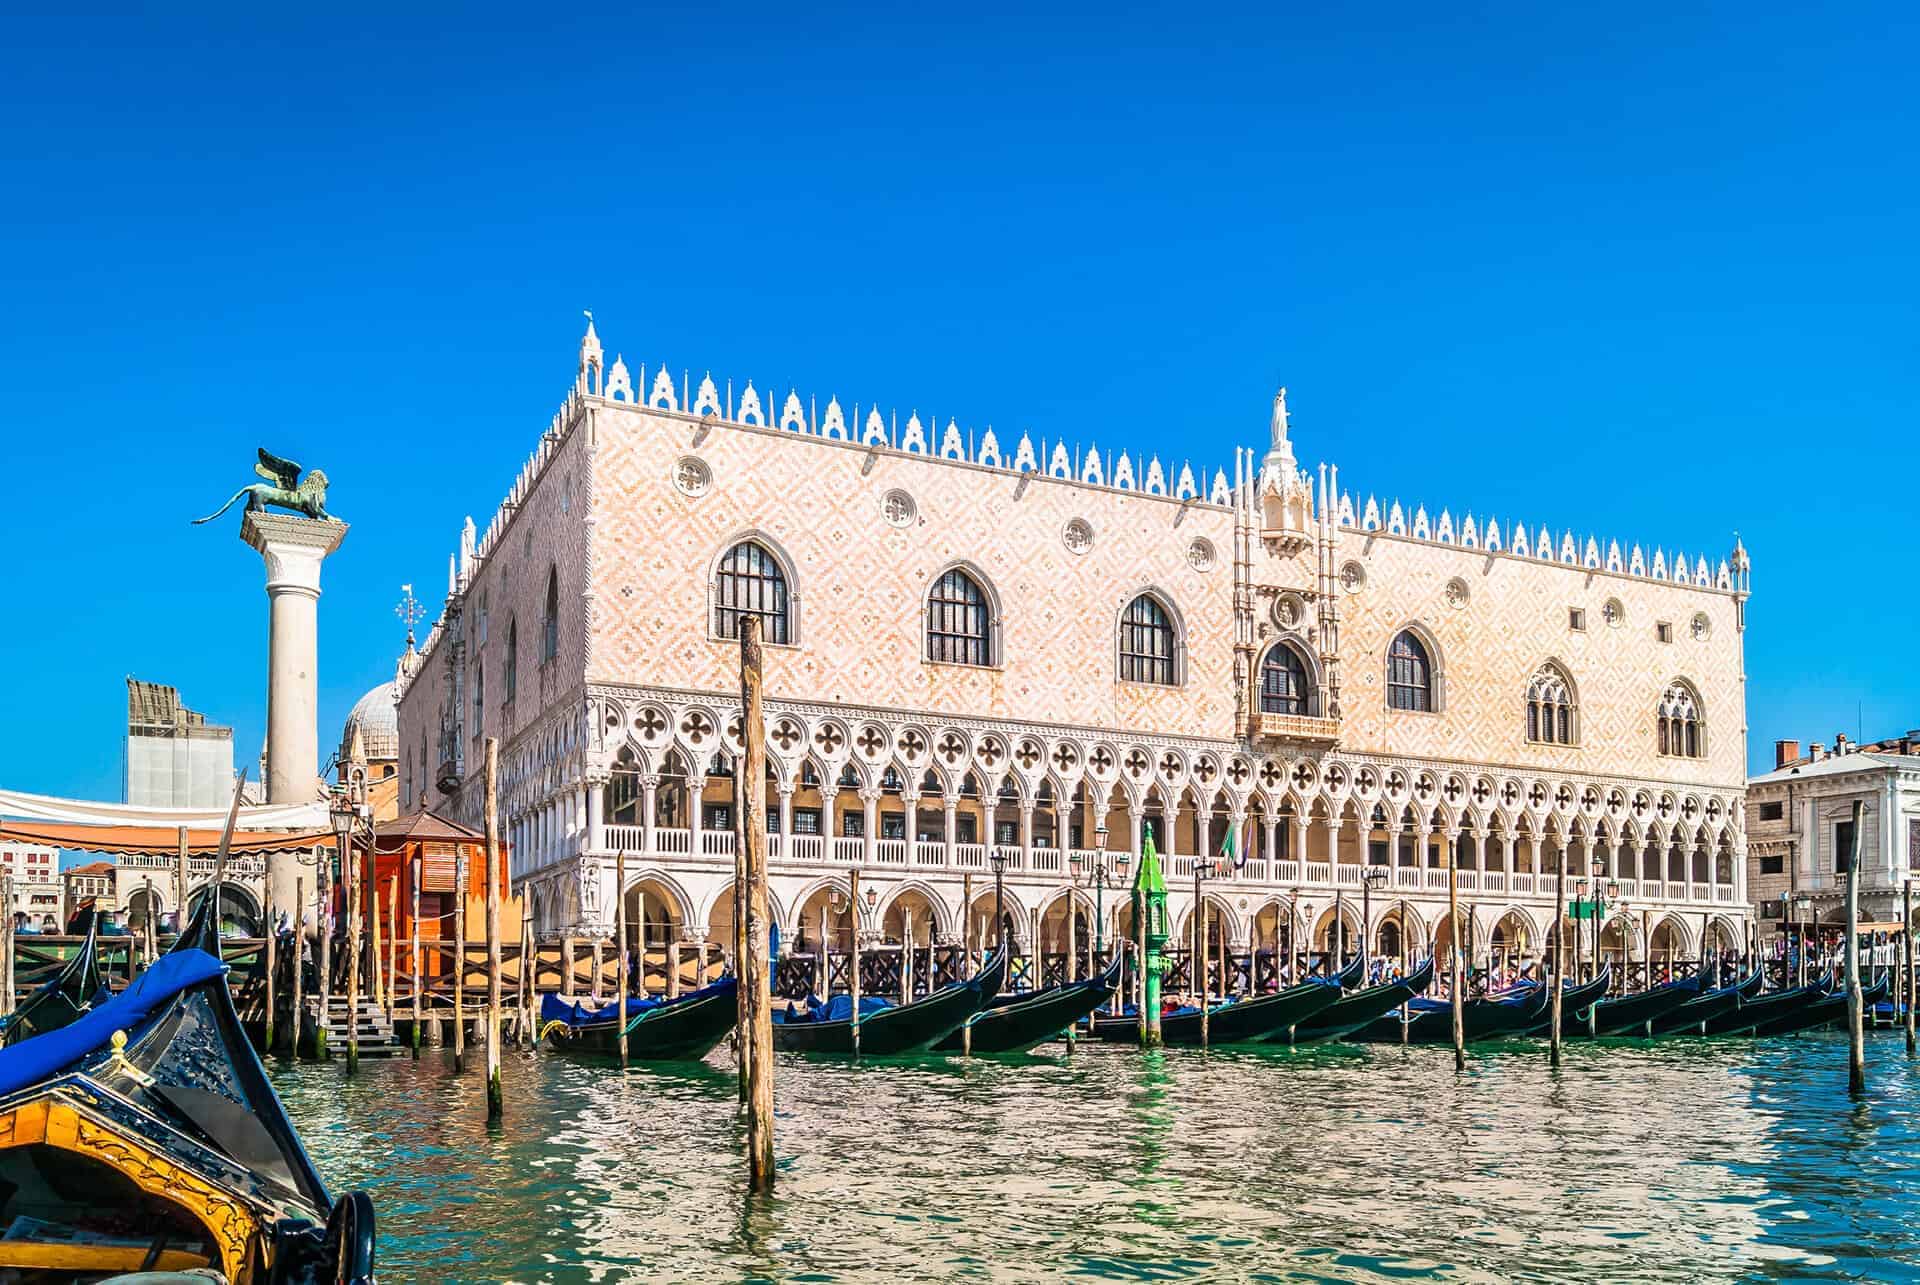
(1296, 729)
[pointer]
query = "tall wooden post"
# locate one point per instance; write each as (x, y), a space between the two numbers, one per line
(180, 881)
(371, 876)
(742, 1002)
(323, 895)
(1557, 974)
(491, 802)
(853, 985)
(1457, 1001)
(596, 970)
(271, 947)
(6, 942)
(620, 964)
(299, 960)
(349, 871)
(1906, 962)
(966, 954)
(1198, 962)
(1856, 1032)
(413, 952)
(523, 988)
(459, 956)
(393, 942)
(150, 925)
(756, 1033)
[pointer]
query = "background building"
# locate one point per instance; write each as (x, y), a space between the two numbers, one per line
(94, 880)
(36, 881)
(1800, 829)
(976, 645)
(175, 758)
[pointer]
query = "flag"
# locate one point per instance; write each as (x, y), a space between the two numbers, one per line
(1239, 859)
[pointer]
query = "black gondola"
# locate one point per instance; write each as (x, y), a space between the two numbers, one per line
(887, 1028)
(1633, 1014)
(71, 991)
(1824, 1011)
(1353, 1011)
(684, 1029)
(1033, 1019)
(1701, 1009)
(1481, 1019)
(1244, 1021)
(144, 1135)
(1767, 1008)
(1574, 1001)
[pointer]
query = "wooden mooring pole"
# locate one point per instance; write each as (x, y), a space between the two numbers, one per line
(1856, 1017)
(460, 957)
(1558, 972)
(323, 922)
(1197, 965)
(966, 954)
(393, 940)
(272, 942)
(853, 983)
(756, 1033)
(180, 881)
(371, 875)
(350, 873)
(418, 973)
(6, 943)
(1906, 961)
(619, 946)
(1457, 1001)
(299, 960)
(491, 802)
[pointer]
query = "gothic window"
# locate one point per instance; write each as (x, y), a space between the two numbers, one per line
(958, 622)
(1550, 708)
(751, 583)
(1681, 732)
(1284, 688)
(550, 619)
(1409, 674)
(1146, 643)
(512, 675)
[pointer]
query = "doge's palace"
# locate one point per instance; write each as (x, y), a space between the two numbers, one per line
(1042, 649)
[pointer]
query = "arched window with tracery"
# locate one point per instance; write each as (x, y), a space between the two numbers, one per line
(1550, 707)
(959, 623)
(750, 583)
(1284, 685)
(1147, 643)
(550, 619)
(1682, 730)
(1409, 674)
(513, 659)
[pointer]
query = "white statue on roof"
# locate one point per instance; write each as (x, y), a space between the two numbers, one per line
(1286, 494)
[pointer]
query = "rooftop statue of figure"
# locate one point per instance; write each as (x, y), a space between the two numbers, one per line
(284, 488)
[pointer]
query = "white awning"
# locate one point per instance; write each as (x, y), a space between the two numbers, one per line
(273, 816)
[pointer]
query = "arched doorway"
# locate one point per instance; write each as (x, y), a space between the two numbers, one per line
(1511, 950)
(239, 912)
(1273, 946)
(655, 921)
(1066, 939)
(1668, 949)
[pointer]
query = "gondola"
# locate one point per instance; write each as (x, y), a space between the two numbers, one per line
(1574, 1001)
(1246, 1021)
(1430, 1021)
(71, 991)
(144, 1136)
(1033, 1019)
(1352, 1011)
(1633, 1014)
(1701, 1009)
(887, 1028)
(1764, 1009)
(1824, 1011)
(684, 1029)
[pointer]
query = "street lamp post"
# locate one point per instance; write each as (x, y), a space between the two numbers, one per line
(1371, 878)
(999, 860)
(1095, 870)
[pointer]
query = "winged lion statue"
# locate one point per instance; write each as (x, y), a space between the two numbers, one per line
(284, 488)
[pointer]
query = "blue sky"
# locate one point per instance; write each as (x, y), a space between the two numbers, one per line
(1649, 274)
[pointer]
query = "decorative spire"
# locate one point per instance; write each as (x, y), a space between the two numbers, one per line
(589, 347)
(1740, 560)
(410, 611)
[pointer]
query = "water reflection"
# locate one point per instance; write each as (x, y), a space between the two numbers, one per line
(1666, 1161)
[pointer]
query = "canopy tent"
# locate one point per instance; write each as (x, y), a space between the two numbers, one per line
(155, 841)
(273, 816)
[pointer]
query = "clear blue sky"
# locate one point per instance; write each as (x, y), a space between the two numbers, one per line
(1650, 275)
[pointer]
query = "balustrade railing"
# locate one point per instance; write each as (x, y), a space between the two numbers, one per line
(849, 851)
(890, 852)
(926, 853)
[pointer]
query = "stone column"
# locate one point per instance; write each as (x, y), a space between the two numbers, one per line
(649, 812)
(870, 827)
(293, 549)
(1026, 836)
(786, 822)
(950, 818)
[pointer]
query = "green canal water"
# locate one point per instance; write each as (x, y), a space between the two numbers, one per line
(1678, 1161)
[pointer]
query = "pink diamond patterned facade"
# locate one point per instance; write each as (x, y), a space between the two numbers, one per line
(617, 709)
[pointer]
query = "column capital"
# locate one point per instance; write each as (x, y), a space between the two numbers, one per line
(293, 548)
